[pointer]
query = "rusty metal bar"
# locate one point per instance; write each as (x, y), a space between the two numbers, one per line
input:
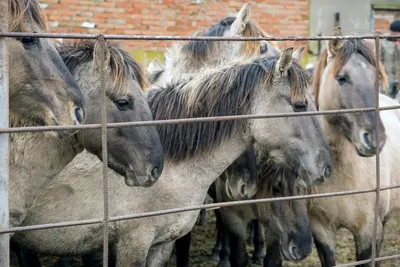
(189, 120)
(190, 208)
(106, 219)
(189, 38)
(4, 146)
(356, 263)
(103, 104)
(377, 162)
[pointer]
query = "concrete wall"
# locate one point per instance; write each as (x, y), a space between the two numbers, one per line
(356, 16)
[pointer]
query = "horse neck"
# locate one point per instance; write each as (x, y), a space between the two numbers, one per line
(34, 159)
(190, 179)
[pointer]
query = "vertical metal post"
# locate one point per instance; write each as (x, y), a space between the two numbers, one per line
(102, 43)
(4, 148)
(378, 171)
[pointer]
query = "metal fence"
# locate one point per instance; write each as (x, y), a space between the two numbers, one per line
(5, 131)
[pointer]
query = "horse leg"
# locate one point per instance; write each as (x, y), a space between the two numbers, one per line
(182, 250)
(364, 244)
(273, 256)
(203, 218)
(235, 230)
(26, 257)
(159, 255)
(132, 249)
(250, 233)
(225, 250)
(325, 243)
(258, 243)
(218, 245)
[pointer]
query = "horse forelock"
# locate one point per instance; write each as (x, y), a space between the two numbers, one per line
(24, 13)
(341, 58)
(268, 172)
(122, 65)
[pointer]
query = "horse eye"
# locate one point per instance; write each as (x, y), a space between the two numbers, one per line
(123, 104)
(300, 107)
(28, 40)
(341, 79)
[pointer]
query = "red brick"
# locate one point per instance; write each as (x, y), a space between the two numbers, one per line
(178, 17)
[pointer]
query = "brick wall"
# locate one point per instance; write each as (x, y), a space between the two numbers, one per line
(383, 19)
(170, 17)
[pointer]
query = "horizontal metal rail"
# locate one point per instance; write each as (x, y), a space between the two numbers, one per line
(190, 120)
(103, 126)
(190, 38)
(191, 208)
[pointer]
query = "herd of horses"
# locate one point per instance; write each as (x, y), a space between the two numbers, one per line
(57, 176)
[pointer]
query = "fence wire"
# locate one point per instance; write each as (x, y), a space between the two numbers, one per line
(4, 130)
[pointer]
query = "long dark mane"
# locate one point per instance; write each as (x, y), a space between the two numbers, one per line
(201, 49)
(122, 65)
(349, 47)
(22, 12)
(225, 92)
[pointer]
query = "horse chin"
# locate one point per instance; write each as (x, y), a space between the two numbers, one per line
(131, 179)
(365, 153)
(285, 252)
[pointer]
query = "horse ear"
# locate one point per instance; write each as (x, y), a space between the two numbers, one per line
(242, 18)
(97, 55)
(334, 46)
(154, 66)
(284, 62)
(298, 53)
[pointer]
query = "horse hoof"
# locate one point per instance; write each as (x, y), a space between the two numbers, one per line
(224, 264)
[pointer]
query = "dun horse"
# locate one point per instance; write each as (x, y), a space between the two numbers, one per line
(187, 60)
(42, 93)
(196, 155)
(134, 152)
(345, 79)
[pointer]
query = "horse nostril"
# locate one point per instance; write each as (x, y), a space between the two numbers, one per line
(327, 172)
(79, 114)
(367, 140)
(243, 190)
(155, 173)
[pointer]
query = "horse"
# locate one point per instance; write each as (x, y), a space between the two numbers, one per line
(196, 154)
(133, 152)
(183, 61)
(344, 78)
(42, 92)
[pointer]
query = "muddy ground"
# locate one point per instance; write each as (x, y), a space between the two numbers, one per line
(204, 236)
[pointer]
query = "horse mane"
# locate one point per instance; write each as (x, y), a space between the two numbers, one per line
(122, 65)
(200, 49)
(349, 47)
(153, 77)
(225, 91)
(23, 11)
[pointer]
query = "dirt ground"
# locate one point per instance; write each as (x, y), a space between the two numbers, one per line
(204, 236)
